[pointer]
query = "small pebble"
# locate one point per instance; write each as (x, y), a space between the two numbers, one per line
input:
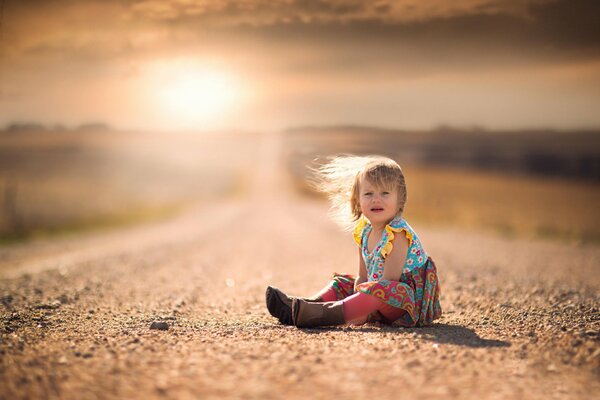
(6, 300)
(413, 363)
(49, 306)
(161, 326)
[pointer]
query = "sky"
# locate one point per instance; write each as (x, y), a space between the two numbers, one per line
(275, 64)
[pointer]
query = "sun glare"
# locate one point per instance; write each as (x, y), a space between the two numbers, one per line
(196, 96)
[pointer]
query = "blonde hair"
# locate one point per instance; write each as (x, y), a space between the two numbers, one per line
(340, 179)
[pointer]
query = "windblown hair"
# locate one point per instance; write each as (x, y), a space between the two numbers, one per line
(340, 179)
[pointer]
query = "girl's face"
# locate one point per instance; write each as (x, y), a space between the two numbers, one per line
(378, 204)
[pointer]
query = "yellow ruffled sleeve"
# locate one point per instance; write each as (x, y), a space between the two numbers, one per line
(358, 229)
(387, 248)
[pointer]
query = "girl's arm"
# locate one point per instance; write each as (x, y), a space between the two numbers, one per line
(362, 270)
(394, 262)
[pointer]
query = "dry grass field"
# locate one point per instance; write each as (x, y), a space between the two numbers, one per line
(61, 181)
(57, 182)
(512, 204)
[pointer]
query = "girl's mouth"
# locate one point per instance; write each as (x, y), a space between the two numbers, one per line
(377, 209)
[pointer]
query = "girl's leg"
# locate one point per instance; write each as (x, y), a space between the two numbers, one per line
(340, 287)
(325, 294)
(359, 306)
(279, 304)
(390, 313)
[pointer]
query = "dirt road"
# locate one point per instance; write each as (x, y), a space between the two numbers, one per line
(521, 318)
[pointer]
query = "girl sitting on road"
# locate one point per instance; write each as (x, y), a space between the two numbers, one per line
(397, 281)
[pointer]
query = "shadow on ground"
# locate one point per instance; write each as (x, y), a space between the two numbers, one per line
(438, 333)
(456, 334)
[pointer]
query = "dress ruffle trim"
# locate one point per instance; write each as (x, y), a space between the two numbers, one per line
(388, 246)
(358, 229)
(390, 229)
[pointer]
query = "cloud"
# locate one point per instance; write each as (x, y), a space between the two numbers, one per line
(569, 23)
(305, 36)
(563, 23)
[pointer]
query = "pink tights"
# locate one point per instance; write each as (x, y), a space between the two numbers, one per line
(359, 306)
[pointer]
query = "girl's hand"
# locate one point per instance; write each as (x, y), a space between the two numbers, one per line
(357, 282)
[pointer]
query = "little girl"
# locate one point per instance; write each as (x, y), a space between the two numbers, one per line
(397, 281)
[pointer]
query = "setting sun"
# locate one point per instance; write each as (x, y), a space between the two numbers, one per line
(193, 95)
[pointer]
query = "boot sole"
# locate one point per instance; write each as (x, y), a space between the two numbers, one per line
(295, 310)
(277, 308)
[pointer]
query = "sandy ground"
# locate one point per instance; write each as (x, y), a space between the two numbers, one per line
(521, 318)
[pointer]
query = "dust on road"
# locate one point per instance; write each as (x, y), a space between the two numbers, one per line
(520, 317)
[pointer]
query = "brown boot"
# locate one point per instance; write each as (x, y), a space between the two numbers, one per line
(307, 315)
(280, 305)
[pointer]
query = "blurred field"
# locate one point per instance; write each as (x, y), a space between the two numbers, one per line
(65, 181)
(567, 154)
(510, 205)
(512, 202)
(61, 181)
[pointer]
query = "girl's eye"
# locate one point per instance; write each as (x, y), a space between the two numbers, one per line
(368, 194)
(385, 193)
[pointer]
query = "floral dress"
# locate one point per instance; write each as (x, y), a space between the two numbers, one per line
(417, 292)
